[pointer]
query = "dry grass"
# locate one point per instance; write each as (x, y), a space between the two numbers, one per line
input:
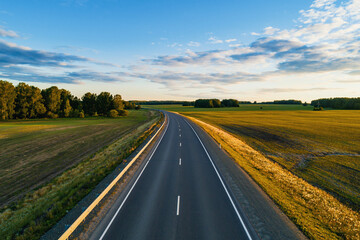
(318, 214)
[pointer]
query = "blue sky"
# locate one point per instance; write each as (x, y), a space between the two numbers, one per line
(249, 50)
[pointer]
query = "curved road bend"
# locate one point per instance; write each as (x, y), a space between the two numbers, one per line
(178, 194)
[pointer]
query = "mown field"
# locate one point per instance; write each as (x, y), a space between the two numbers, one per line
(323, 148)
(49, 165)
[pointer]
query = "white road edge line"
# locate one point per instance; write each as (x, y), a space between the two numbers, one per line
(180, 161)
(127, 195)
(222, 182)
(178, 206)
(180, 144)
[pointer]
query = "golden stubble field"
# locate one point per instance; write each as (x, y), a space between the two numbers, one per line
(321, 147)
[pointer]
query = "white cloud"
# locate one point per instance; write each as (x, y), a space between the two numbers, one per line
(193, 44)
(235, 45)
(214, 40)
(231, 40)
(270, 30)
(8, 33)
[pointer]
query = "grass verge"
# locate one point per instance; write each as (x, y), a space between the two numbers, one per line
(39, 210)
(318, 214)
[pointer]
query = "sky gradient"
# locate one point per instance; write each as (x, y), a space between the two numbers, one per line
(183, 50)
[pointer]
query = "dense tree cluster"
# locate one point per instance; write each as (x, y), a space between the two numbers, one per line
(161, 102)
(290, 101)
(187, 104)
(207, 103)
(216, 103)
(337, 103)
(230, 103)
(24, 101)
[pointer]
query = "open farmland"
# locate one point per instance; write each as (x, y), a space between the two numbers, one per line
(35, 151)
(36, 212)
(321, 147)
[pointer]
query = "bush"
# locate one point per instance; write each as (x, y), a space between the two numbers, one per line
(318, 108)
(52, 115)
(81, 114)
(95, 114)
(113, 113)
(123, 113)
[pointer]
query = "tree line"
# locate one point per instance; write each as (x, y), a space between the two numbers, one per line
(290, 101)
(163, 102)
(337, 103)
(24, 101)
(216, 103)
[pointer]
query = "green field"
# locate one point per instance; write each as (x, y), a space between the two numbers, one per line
(34, 151)
(321, 147)
(58, 162)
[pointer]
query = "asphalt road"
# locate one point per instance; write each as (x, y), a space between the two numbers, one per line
(181, 193)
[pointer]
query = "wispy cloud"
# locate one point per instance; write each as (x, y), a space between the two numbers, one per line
(26, 64)
(11, 53)
(231, 40)
(193, 44)
(214, 40)
(173, 79)
(8, 33)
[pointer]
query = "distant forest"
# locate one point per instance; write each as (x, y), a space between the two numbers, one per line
(25, 101)
(167, 102)
(291, 101)
(216, 103)
(337, 103)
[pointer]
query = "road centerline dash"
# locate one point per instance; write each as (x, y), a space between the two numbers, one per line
(178, 206)
(180, 161)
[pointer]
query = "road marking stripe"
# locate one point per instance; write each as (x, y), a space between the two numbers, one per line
(178, 206)
(180, 161)
(180, 144)
(223, 184)
(127, 195)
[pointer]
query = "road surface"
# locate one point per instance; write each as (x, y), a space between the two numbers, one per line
(181, 193)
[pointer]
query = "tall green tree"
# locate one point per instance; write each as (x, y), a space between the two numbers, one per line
(89, 103)
(52, 100)
(104, 103)
(7, 99)
(65, 107)
(76, 103)
(28, 102)
(118, 103)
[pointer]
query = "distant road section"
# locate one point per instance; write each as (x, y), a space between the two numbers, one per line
(181, 193)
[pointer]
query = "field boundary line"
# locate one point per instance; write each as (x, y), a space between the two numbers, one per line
(82, 217)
